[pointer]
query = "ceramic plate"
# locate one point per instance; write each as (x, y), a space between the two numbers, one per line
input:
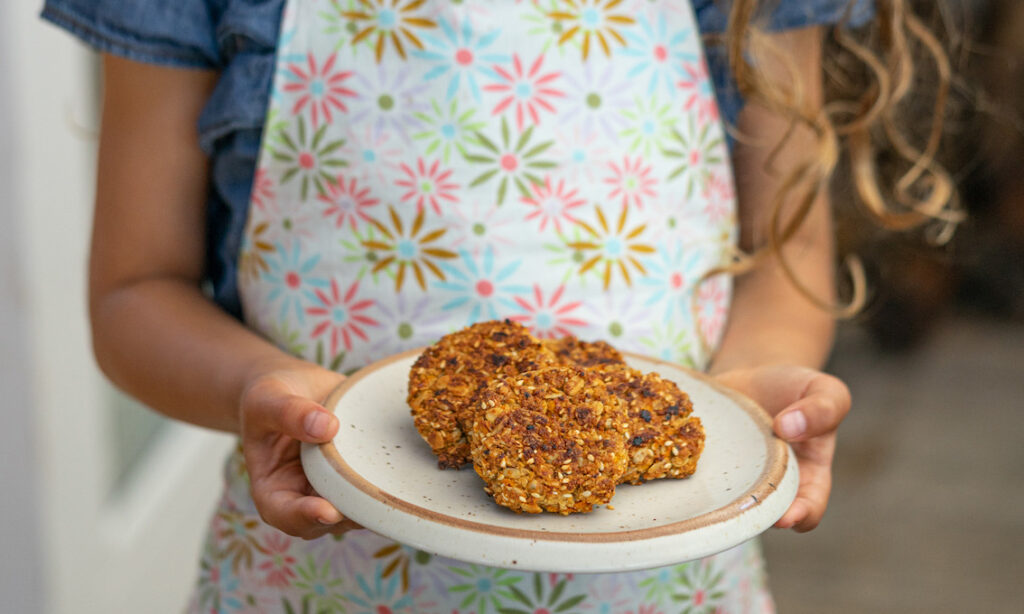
(381, 474)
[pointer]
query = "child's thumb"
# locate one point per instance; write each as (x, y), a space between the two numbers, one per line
(297, 417)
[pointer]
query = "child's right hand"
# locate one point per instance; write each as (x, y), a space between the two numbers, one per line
(279, 409)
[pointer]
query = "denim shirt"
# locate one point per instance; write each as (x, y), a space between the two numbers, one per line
(238, 38)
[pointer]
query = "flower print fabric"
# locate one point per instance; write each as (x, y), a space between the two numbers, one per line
(428, 164)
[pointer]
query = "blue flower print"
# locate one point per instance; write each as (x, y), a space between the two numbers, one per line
(657, 53)
(290, 282)
(672, 273)
(379, 594)
(479, 288)
(460, 56)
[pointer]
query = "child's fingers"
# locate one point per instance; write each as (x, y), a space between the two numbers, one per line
(296, 514)
(294, 416)
(807, 510)
(823, 405)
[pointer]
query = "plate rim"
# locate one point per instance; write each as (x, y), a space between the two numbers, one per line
(776, 463)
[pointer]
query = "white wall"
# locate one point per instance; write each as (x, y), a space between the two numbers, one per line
(21, 562)
(69, 543)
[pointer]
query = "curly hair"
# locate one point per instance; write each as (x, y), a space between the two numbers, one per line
(874, 71)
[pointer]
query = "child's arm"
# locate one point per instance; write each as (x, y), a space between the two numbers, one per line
(776, 339)
(154, 334)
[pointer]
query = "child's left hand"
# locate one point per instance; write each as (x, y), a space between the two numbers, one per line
(808, 406)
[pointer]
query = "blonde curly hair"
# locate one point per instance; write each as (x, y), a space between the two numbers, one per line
(893, 52)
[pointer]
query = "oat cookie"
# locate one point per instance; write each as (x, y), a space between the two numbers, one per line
(447, 376)
(665, 440)
(550, 440)
(572, 351)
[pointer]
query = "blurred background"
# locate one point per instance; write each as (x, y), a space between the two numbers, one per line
(103, 502)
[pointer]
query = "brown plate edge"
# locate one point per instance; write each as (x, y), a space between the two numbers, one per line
(771, 476)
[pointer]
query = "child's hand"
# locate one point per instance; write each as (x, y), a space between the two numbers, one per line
(278, 411)
(808, 406)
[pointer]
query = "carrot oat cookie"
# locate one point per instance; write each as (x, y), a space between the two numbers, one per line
(665, 440)
(572, 351)
(550, 440)
(445, 379)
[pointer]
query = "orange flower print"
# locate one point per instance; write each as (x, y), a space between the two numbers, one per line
(616, 247)
(409, 248)
(236, 540)
(390, 21)
(592, 20)
(255, 246)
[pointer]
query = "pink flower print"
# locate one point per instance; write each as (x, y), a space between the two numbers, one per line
(279, 563)
(581, 154)
(428, 184)
(548, 319)
(372, 154)
(262, 189)
(346, 201)
(646, 609)
(341, 316)
(552, 203)
(712, 305)
(611, 595)
(699, 94)
(321, 88)
(719, 198)
(527, 91)
(632, 181)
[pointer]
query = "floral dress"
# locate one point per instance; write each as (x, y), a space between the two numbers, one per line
(427, 164)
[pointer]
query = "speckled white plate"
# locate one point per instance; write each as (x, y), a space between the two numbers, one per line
(380, 473)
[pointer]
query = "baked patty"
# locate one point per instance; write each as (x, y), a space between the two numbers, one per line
(550, 440)
(446, 378)
(665, 440)
(572, 351)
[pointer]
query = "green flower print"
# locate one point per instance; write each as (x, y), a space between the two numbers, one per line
(447, 128)
(544, 596)
(324, 358)
(321, 585)
(307, 159)
(699, 588)
(483, 586)
(511, 161)
(695, 150)
(305, 607)
(287, 338)
(649, 125)
(670, 343)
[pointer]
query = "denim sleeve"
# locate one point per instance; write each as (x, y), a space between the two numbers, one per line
(170, 32)
(712, 17)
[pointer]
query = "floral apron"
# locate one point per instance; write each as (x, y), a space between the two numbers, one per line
(432, 163)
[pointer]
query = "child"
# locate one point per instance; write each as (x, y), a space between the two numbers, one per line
(375, 174)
